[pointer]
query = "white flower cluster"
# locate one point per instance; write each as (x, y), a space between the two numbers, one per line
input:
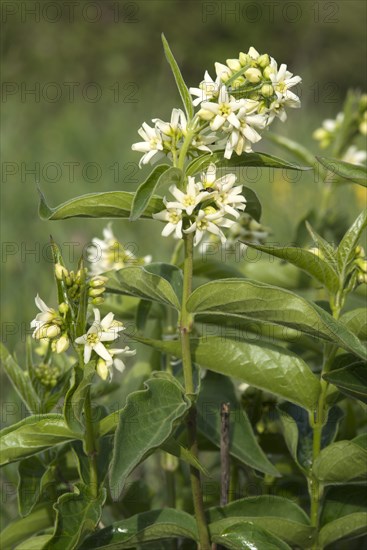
(246, 96)
(110, 255)
(203, 207)
(101, 332)
(49, 325)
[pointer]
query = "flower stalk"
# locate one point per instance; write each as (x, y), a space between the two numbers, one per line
(185, 329)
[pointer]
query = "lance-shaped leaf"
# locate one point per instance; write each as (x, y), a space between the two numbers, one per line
(342, 462)
(262, 365)
(146, 527)
(350, 380)
(145, 423)
(343, 513)
(293, 147)
(253, 205)
(346, 250)
(280, 516)
(141, 282)
(77, 514)
(243, 535)
(160, 175)
(312, 264)
(33, 435)
(20, 380)
(81, 381)
(22, 529)
(345, 170)
(216, 389)
(30, 471)
(34, 543)
(298, 433)
(356, 321)
(267, 303)
(182, 88)
(113, 204)
(257, 160)
(353, 525)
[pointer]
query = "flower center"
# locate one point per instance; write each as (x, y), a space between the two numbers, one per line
(92, 339)
(224, 109)
(189, 200)
(154, 142)
(173, 217)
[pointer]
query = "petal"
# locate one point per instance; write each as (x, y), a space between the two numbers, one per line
(87, 353)
(107, 320)
(81, 340)
(102, 352)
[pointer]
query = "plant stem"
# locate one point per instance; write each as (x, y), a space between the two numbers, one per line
(185, 328)
(315, 487)
(90, 445)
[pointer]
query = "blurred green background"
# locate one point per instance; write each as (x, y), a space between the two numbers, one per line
(97, 71)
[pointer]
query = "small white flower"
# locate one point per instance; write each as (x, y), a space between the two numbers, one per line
(208, 220)
(354, 156)
(152, 144)
(221, 112)
(189, 200)
(106, 330)
(208, 89)
(223, 71)
(173, 217)
(175, 127)
(242, 138)
(228, 197)
(46, 323)
(282, 81)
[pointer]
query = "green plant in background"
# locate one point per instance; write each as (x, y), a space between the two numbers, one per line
(301, 361)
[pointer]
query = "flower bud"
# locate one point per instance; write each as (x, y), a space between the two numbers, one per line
(269, 70)
(47, 331)
(61, 272)
(210, 210)
(362, 278)
(205, 115)
(102, 369)
(63, 307)
(98, 281)
(244, 59)
(263, 61)
(320, 134)
(360, 251)
(361, 264)
(267, 90)
(62, 344)
(97, 301)
(253, 75)
(363, 127)
(234, 64)
(94, 292)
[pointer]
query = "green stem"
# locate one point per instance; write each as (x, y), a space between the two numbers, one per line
(185, 328)
(90, 446)
(186, 144)
(315, 487)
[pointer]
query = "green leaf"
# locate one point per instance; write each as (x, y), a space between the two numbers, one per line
(142, 283)
(182, 88)
(160, 175)
(321, 270)
(341, 462)
(21, 529)
(77, 514)
(262, 365)
(253, 205)
(352, 172)
(34, 543)
(243, 445)
(257, 160)
(74, 400)
(298, 433)
(20, 381)
(30, 471)
(342, 501)
(351, 380)
(145, 423)
(346, 249)
(280, 516)
(356, 321)
(326, 248)
(172, 447)
(113, 204)
(33, 435)
(171, 273)
(148, 526)
(292, 147)
(353, 525)
(243, 535)
(261, 302)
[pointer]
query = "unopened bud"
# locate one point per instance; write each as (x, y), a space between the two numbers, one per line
(253, 75)
(210, 210)
(362, 278)
(267, 90)
(361, 264)
(320, 134)
(98, 281)
(47, 331)
(97, 301)
(234, 64)
(94, 292)
(269, 70)
(62, 344)
(263, 61)
(102, 369)
(61, 272)
(244, 59)
(63, 307)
